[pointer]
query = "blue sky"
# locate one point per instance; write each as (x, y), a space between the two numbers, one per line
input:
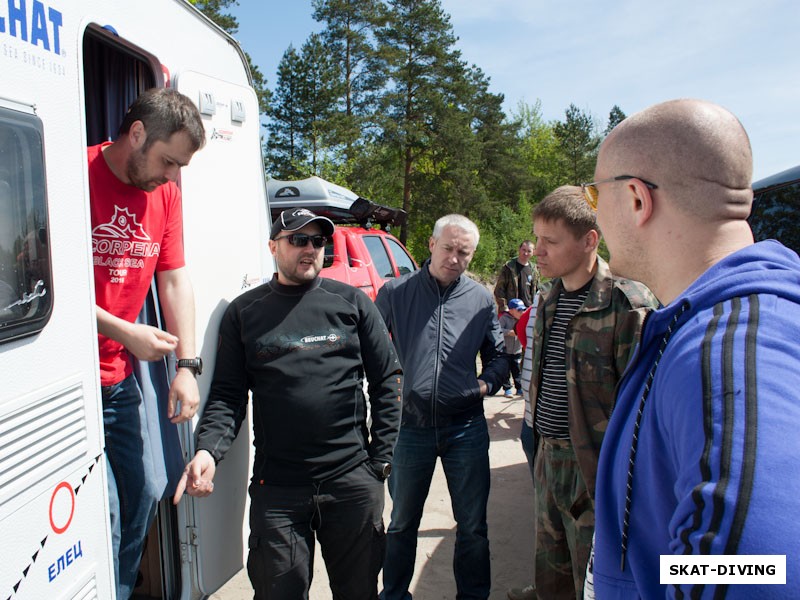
(741, 54)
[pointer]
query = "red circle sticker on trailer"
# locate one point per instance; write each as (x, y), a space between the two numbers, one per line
(62, 507)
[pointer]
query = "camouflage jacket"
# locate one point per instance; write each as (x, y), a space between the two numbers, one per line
(507, 286)
(600, 340)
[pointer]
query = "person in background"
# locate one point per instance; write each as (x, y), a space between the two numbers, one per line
(137, 222)
(702, 448)
(303, 345)
(508, 320)
(440, 320)
(585, 332)
(518, 278)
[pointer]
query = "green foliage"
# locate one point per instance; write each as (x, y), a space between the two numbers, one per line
(540, 149)
(501, 236)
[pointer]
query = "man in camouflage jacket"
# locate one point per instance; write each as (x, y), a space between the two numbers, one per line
(585, 331)
(518, 278)
(603, 335)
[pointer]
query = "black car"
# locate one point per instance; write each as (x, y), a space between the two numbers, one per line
(776, 208)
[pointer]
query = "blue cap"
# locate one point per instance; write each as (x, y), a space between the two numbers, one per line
(516, 303)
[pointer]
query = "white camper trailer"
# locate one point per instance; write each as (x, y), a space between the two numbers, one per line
(69, 70)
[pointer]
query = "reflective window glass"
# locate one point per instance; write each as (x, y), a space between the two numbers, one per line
(380, 258)
(401, 258)
(26, 296)
(774, 216)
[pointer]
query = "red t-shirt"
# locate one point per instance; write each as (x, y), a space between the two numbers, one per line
(134, 234)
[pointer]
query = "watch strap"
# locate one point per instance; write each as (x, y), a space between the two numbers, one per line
(194, 364)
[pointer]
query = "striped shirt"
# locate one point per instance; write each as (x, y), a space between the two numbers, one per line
(527, 359)
(552, 415)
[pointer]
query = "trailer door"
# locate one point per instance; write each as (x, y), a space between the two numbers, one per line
(225, 231)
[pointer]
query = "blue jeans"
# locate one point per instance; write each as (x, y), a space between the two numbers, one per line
(132, 498)
(464, 451)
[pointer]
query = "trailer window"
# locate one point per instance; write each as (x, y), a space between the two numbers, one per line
(26, 296)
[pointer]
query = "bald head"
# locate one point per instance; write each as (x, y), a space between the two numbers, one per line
(697, 153)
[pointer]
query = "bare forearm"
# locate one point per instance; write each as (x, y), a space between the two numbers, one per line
(112, 327)
(177, 302)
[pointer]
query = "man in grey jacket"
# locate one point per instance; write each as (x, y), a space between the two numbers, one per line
(440, 320)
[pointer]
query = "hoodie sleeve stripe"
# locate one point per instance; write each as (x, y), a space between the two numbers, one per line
(705, 468)
(728, 391)
(751, 429)
(727, 463)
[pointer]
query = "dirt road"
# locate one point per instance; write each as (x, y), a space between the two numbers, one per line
(510, 522)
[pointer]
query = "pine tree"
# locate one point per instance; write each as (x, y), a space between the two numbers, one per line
(320, 87)
(578, 142)
(349, 39)
(284, 145)
(615, 117)
(416, 54)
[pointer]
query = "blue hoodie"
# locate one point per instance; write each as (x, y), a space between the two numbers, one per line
(716, 464)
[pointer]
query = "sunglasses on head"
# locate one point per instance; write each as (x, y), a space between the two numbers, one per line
(301, 240)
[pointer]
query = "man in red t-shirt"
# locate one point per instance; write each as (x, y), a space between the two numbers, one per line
(137, 232)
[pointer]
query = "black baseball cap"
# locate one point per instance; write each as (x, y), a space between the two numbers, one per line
(293, 219)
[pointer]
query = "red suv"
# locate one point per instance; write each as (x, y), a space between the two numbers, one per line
(358, 254)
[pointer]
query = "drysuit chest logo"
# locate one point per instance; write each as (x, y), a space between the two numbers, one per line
(271, 347)
(310, 339)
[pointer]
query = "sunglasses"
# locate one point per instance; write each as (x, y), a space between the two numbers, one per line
(590, 189)
(301, 239)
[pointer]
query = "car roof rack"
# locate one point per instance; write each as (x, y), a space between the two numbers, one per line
(340, 205)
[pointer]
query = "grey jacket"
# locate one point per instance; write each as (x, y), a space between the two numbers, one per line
(438, 335)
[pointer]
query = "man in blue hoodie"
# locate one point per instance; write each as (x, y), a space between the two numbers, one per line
(700, 456)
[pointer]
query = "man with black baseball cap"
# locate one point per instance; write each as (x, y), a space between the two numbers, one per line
(302, 345)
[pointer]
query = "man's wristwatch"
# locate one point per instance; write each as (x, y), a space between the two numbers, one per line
(194, 364)
(382, 470)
